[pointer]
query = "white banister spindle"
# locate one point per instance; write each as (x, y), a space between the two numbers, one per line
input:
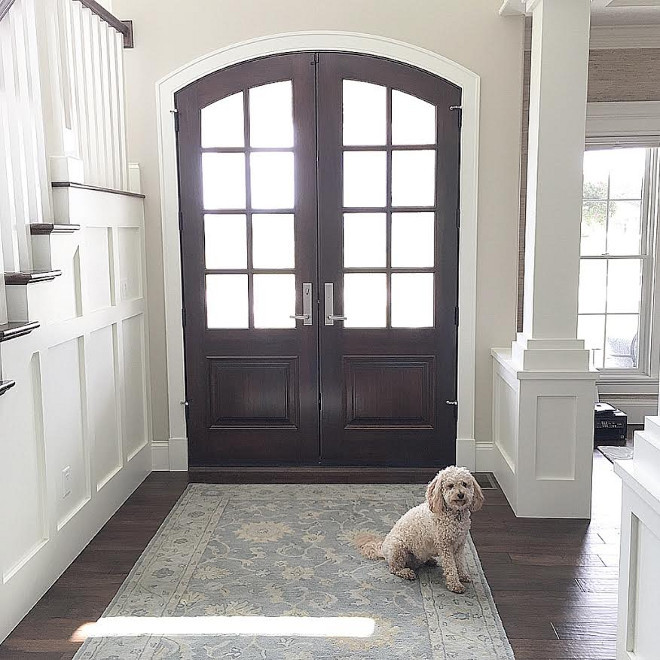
(17, 150)
(62, 115)
(99, 111)
(80, 64)
(121, 108)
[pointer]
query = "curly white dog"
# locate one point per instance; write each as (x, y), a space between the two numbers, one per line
(436, 528)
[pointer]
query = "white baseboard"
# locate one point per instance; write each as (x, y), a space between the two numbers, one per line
(484, 461)
(465, 454)
(170, 455)
(160, 456)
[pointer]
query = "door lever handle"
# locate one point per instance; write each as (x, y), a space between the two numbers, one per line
(299, 317)
(336, 317)
(451, 403)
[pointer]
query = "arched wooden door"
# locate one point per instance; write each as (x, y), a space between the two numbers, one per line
(322, 186)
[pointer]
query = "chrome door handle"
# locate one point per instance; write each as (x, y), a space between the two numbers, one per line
(451, 403)
(306, 316)
(330, 316)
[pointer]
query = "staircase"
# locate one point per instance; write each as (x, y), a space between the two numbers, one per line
(74, 406)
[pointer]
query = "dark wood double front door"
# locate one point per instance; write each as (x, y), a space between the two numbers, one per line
(319, 236)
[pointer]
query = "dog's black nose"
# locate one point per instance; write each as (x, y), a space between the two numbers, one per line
(461, 496)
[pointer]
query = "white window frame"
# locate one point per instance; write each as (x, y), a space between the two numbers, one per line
(635, 124)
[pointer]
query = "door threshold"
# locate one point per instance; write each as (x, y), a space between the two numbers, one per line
(312, 474)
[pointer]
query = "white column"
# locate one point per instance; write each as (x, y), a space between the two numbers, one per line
(543, 389)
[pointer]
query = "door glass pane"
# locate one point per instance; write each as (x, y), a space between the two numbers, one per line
(413, 120)
(594, 218)
(624, 228)
(271, 115)
(364, 178)
(225, 244)
(271, 180)
(591, 328)
(227, 301)
(223, 180)
(412, 300)
(365, 300)
(222, 122)
(272, 240)
(593, 280)
(274, 301)
(595, 175)
(627, 173)
(412, 239)
(364, 112)
(413, 178)
(364, 240)
(622, 341)
(623, 285)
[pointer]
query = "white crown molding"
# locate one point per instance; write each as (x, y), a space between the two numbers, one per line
(612, 37)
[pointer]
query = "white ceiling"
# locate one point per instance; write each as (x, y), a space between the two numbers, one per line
(625, 12)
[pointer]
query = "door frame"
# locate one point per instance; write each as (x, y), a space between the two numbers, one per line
(173, 453)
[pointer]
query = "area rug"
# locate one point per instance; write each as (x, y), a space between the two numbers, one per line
(613, 453)
(271, 572)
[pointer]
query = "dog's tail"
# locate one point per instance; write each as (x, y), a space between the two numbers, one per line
(369, 545)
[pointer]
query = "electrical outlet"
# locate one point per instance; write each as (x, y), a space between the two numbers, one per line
(66, 481)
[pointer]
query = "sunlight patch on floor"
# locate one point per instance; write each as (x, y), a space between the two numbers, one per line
(279, 626)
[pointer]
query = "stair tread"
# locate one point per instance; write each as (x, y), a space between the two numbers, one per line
(6, 385)
(31, 276)
(38, 228)
(17, 329)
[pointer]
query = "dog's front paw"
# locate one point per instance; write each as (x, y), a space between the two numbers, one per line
(456, 587)
(405, 573)
(465, 578)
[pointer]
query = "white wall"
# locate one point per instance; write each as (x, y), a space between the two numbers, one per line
(80, 401)
(167, 36)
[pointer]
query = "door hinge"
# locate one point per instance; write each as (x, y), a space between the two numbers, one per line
(320, 401)
(180, 221)
(315, 60)
(183, 317)
(456, 315)
(175, 114)
(458, 218)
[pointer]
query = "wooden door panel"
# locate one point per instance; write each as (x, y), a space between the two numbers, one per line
(253, 393)
(395, 392)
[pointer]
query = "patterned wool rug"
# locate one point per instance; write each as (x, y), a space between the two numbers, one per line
(260, 571)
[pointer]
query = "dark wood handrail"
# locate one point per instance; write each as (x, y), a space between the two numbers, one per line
(123, 27)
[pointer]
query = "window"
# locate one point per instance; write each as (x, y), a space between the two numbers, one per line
(617, 256)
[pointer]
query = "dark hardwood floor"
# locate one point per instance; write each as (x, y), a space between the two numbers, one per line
(554, 581)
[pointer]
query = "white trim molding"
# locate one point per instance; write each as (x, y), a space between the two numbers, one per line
(621, 122)
(366, 44)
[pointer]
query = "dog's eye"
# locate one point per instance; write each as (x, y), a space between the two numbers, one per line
(450, 485)
(464, 485)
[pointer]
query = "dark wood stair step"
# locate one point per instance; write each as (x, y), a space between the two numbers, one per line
(6, 385)
(17, 329)
(31, 277)
(40, 228)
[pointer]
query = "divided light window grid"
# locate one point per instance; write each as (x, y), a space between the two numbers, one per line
(619, 211)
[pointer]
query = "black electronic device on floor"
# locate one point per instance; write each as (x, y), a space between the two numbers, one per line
(610, 424)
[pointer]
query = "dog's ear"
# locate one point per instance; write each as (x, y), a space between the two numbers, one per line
(434, 495)
(478, 497)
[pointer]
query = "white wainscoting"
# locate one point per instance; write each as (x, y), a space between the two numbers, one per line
(75, 430)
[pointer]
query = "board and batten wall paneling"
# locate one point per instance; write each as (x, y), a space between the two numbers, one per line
(624, 74)
(74, 430)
